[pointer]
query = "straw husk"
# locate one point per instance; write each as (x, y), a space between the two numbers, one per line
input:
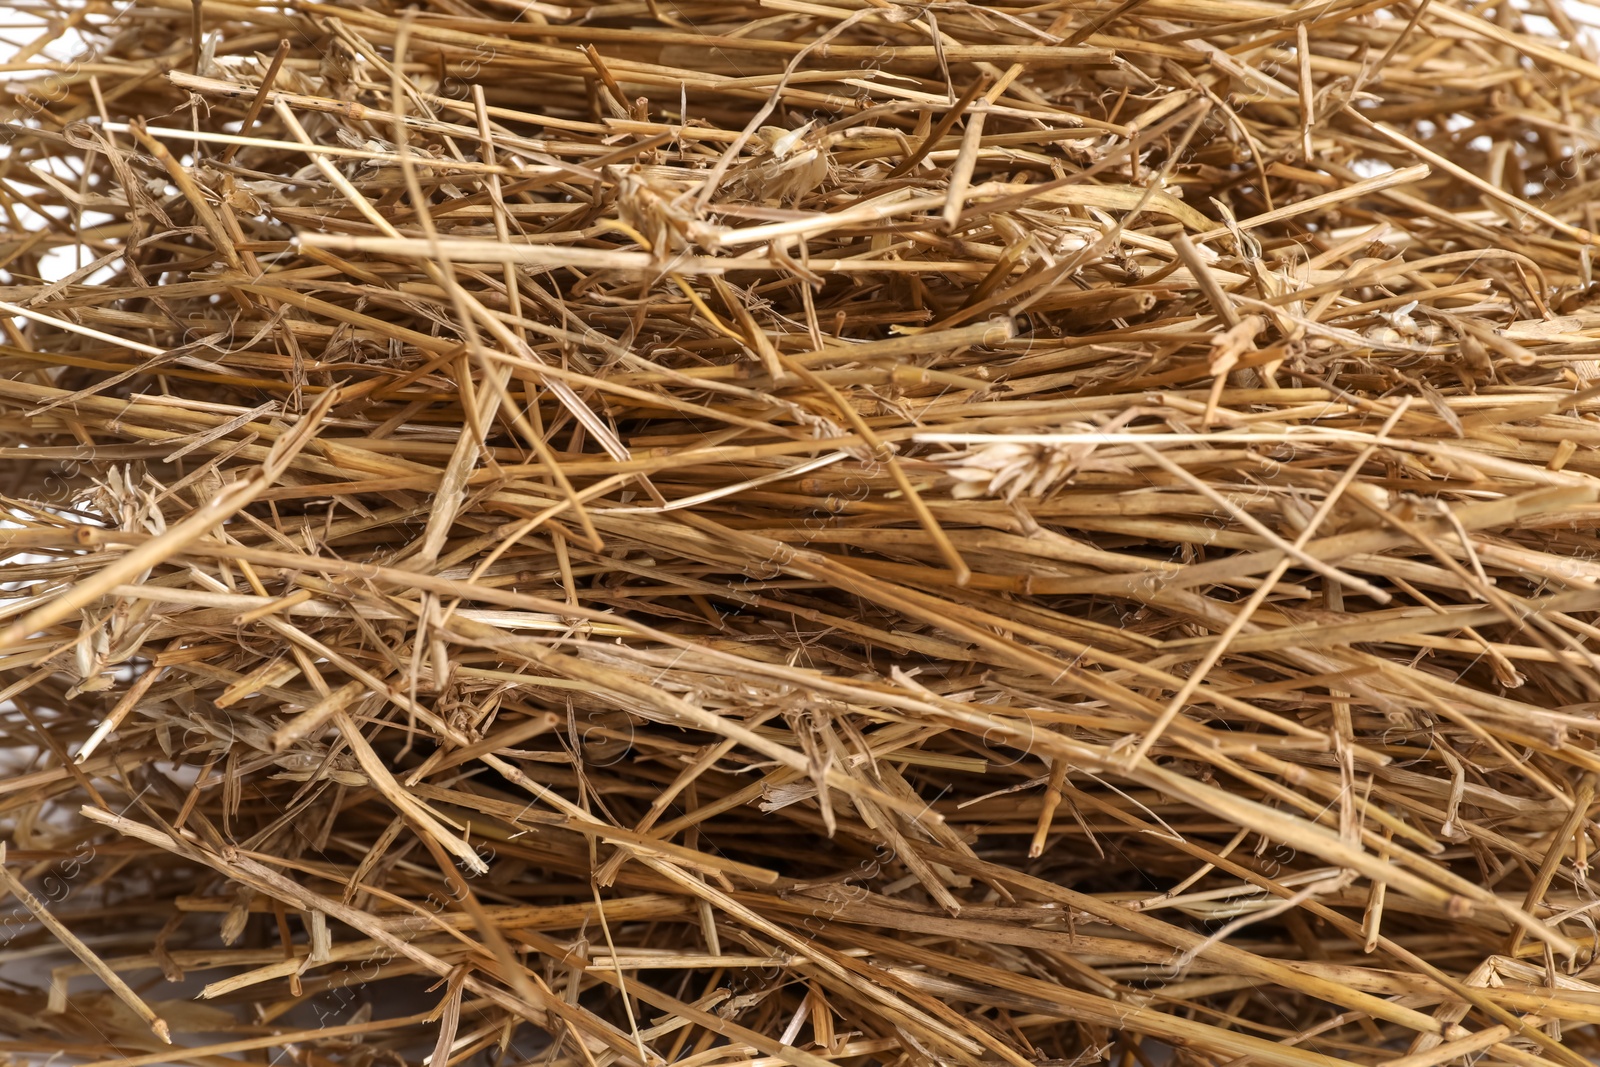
(802, 532)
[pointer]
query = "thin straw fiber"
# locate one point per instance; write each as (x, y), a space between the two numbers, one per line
(740, 533)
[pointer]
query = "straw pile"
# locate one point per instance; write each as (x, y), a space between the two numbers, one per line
(801, 532)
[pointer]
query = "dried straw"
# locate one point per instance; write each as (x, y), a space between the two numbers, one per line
(803, 532)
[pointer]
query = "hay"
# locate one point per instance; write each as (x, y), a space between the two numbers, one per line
(803, 532)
